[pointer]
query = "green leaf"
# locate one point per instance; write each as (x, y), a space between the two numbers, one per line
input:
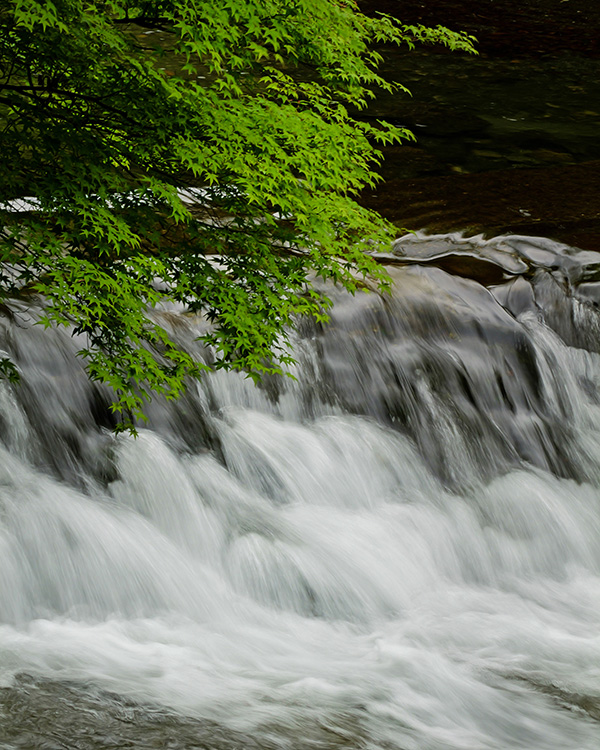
(206, 169)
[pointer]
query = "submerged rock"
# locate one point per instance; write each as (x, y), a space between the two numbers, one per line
(54, 715)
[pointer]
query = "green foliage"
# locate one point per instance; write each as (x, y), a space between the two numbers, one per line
(109, 110)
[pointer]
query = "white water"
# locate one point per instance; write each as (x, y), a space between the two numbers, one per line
(324, 582)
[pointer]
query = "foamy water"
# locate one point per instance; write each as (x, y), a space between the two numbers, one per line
(314, 576)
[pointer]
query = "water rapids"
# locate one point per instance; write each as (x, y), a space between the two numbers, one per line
(398, 550)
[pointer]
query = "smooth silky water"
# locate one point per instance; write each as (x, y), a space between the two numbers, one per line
(398, 550)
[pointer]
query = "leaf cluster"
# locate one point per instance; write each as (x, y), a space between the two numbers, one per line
(187, 151)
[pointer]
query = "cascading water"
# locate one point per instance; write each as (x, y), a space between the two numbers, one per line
(399, 550)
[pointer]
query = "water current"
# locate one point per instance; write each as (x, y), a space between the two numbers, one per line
(399, 549)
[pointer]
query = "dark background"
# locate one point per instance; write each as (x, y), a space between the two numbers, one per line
(508, 141)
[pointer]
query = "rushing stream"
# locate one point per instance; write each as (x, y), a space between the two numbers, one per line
(398, 550)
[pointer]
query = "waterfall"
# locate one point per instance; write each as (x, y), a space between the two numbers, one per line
(396, 549)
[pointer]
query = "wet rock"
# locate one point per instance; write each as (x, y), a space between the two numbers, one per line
(589, 704)
(472, 258)
(470, 266)
(510, 255)
(457, 369)
(516, 295)
(560, 284)
(50, 715)
(535, 255)
(590, 292)
(589, 263)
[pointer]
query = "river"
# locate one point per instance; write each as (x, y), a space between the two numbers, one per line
(398, 550)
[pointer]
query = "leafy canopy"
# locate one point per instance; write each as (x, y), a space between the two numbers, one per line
(192, 151)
